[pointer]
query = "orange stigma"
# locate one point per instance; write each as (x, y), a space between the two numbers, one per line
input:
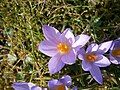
(63, 48)
(116, 52)
(60, 87)
(91, 57)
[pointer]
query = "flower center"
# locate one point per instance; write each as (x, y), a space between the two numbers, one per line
(60, 87)
(116, 52)
(63, 48)
(91, 57)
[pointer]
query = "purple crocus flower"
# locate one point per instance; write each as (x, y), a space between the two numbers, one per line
(115, 52)
(25, 86)
(93, 58)
(61, 47)
(61, 84)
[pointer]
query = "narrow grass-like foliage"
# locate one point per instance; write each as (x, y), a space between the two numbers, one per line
(21, 31)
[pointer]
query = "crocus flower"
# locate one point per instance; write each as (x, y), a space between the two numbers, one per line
(93, 58)
(61, 84)
(115, 52)
(25, 86)
(61, 47)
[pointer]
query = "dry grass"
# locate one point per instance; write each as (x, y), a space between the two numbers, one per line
(20, 33)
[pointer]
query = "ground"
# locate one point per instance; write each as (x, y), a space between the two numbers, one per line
(21, 31)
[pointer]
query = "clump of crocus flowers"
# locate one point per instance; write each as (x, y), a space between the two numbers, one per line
(64, 48)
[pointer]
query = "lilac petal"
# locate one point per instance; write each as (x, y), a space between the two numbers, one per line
(86, 65)
(114, 60)
(91, 48)
(96, 73)
(36, 88)
(115, 44)
(67, 35)
(104, 47)
(51, 33)
(81, 40)
(112, 46)
(22, 86)
(48, 48)
(69, 58)
(55, 64)
(81, 53)
(103, 62)
(55, 85)
(66, 80)
(52, 83)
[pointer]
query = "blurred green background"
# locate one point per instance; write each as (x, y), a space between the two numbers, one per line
(20, 33)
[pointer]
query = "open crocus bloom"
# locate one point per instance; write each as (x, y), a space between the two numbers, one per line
(25, 86)
(93, 58)
(61, 47)
(61, 84)
(115, 52)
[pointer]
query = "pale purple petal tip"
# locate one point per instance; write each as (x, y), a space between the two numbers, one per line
(68, 35)
(91, 48)
(104, 47)
(55, 64)
(51, 33)
(66, 80)
(81, 40)
(96, 73)
(102, 62)
(52, 83)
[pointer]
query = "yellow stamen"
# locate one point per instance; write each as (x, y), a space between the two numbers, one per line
(60, 87)
(91, 57)
(63, 48)
(116, 52)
